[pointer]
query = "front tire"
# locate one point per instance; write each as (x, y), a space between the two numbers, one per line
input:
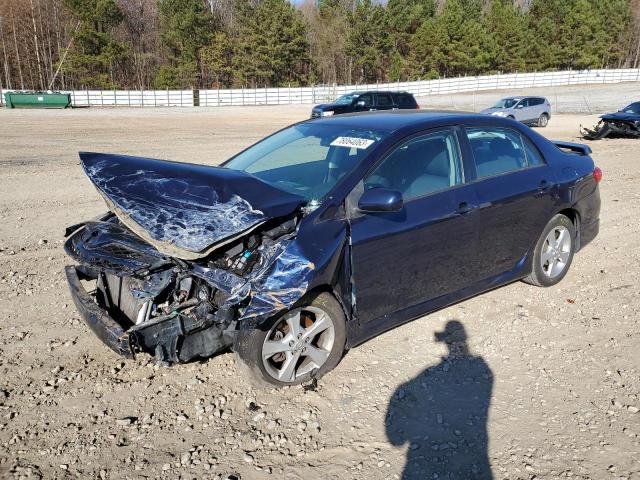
(303, 343)
(553, 252)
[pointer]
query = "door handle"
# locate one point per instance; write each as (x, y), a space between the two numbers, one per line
(464, 208)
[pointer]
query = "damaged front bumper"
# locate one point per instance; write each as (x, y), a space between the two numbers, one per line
(611, 128)
(105, 327)
(173, 338)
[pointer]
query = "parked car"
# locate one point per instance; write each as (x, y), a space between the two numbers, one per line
(624, 123)
(324, 235)
(366, 102)
(528, 110)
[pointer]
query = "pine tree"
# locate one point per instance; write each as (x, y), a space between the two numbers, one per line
(216, 61)
(506, 27)
(368, 44)
(452, 43)
(95, 54)
(271, 46)
(185, 27)
(404, 17)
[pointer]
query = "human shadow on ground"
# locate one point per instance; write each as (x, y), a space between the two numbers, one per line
(442, 414)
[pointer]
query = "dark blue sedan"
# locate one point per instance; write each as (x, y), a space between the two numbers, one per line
(325, 234)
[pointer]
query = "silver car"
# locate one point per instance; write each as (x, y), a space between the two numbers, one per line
(528, 110)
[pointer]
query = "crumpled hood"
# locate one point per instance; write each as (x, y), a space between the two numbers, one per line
(627, 117)
(182, 209)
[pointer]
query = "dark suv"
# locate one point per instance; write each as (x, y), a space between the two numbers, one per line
(365, 102)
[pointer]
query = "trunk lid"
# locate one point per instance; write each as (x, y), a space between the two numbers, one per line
(185, 210)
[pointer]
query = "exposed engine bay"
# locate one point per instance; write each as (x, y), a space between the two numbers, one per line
(178, 309)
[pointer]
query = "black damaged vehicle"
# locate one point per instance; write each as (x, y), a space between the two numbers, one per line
(324, 235)
(624, 123)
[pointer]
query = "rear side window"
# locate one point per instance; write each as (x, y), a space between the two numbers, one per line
(423, 165)
(384, 100)
(501, 150)
(406, 101)
(534, 102)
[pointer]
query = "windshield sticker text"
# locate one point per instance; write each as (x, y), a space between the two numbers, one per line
(352, 142)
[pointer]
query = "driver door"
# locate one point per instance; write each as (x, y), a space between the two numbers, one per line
(522, 110)
(364, 103)
(425, 250)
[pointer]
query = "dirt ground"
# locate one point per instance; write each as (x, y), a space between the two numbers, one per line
(551, 388)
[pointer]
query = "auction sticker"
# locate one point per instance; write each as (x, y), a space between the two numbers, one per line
(352, 142)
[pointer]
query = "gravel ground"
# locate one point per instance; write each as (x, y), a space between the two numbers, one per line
(549, 388)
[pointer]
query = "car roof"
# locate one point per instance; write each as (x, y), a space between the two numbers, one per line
(362, 92)
(521, 97)
(393, 120)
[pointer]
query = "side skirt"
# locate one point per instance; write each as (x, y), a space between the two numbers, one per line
(373, 328)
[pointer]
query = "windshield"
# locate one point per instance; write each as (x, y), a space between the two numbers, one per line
(307, 159)
(345, 99)
(634, 108)
(505, 103)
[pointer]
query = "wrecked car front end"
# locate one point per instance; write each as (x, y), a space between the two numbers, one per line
(182, 262)
(615, 125)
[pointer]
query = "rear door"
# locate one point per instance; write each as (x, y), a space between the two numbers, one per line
(536, 108)
(516, 192)
(384, 101)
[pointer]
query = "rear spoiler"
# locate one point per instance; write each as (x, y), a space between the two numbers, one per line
(578, 148)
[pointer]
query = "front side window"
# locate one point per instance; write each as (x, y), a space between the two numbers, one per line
(366, 100)
(307, 159)
(422, 165)
(345, 99)
(501, 150)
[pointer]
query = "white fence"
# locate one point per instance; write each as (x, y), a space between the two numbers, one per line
(327, 93)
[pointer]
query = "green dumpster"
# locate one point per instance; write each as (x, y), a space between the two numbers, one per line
(37, 100)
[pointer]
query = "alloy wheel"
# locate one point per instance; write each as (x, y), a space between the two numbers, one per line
(299, 343)
(556, 251)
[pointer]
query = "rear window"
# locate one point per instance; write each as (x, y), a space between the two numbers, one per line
(406, 101)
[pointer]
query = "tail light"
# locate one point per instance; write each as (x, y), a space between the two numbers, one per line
(597, 174)
(417, 106)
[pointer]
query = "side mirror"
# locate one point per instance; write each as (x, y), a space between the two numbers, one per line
(360, 103)
(519, 106)
(380, 200)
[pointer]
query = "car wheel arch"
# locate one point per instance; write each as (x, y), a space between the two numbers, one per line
(574, 215)
(326, 288)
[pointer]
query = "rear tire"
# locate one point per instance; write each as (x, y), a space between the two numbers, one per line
(543, 121)
(292, 348)
(553, 253)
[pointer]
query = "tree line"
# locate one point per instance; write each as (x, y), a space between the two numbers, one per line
(140, 44)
